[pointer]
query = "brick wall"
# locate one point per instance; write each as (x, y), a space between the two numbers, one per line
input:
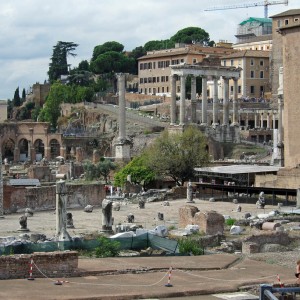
(51, 264)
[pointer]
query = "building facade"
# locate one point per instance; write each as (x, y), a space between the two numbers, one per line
(279, 22)
(154, 68)
(254, 80)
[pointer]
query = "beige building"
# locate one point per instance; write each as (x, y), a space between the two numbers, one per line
(280, 21)
(154, 68)
(3, 110)
(254, 80)
(263, 42)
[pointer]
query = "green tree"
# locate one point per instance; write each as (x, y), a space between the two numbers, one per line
(58, 94)
(17, 99)
(112, 62)
(104, 167)
(191, 35)
(158, 45)
(107, 47)
(90, 171)
(23, 95)
(178, 154)
(59, 65)
(138, 170)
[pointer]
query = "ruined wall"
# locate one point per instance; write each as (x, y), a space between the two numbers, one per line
(254, 243)
(16, 199)
(52, 264)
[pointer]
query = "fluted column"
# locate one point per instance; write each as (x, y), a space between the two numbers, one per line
(193, 100)
(226, 102)
(215, 102)
(173, 100)
(182, 100)
(204, 101)
(122, 111)
(234, 103)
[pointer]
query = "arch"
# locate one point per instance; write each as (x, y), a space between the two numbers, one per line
(39, 148)
(54, 148)
(8, 147)
(23, 148)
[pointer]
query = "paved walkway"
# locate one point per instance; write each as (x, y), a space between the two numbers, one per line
(146, 278)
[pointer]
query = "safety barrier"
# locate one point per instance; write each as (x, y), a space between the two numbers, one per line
(267, 292)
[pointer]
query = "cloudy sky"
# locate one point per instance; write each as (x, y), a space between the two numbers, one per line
(30, 28)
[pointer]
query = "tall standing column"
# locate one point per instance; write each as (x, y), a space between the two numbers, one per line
(204, 101)
(215, 102)
(182, 100)
(122, 111)
(234, 103)
(173, 100)
(226, 102)
(193, 100)
(268, 121)
(274, 120)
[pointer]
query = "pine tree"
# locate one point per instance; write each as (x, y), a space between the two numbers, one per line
(17, 99)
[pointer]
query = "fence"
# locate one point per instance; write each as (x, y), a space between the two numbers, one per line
(139, 242)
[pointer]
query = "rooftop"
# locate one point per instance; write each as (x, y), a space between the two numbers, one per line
(249, 53)
(287, 13)
(259, 20)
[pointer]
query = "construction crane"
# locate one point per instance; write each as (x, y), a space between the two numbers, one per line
(264, 3)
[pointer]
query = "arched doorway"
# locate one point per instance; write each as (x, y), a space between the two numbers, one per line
(8, 147)
(39, 149)
(23, 147)
(54, 148)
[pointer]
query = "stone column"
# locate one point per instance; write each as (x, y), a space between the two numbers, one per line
(182, 100)
(107, 219)
(193, 100)
(29, 150)
(255, 120)
(274, 120)
(268, 120)
(226, 102)
(204, 101)
(262, 120)
(61, 212)
(234, 102)
(247, 120)
(173, 100)
(122, 110)
(47, 154)
(215, 102)
(16, 154)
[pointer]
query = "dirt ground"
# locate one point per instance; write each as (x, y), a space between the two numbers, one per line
(45, 222)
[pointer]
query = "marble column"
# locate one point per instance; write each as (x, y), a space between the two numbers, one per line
(226, 102)
(193, 100)
(122, 110)
(29, 150)
(204, 101)
(215, 102)
(173, 100)
(255, 120)
(274, 120)
(234, 102)
(61, 212)
(262, 120)
(268, 120)
(182, 100)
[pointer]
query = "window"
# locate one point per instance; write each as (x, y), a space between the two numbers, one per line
(158, 89)
(261, 74)
(154, 63)
(162, 89)
(182, 60)
(167, 63)
(231, 62)
(239, 89)
(194, 60)
(163, 79)
(145, 66)
(286, 22)
(224, 63)
(149, 90)
(252, 62)
(150, 65)
(261, 62)
(296, 20)
(167, 89)
(154, 79)
(141, 66)
(261, 90)
(157, 79)
(149, 79)
(252, 89)
(252, 74)
(167, 78)
(145, 80)
(231, 89)
(141, 80)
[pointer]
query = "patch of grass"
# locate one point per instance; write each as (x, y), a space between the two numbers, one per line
(230, 222)
(188, 245)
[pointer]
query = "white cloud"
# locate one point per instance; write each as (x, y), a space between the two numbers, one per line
(30, 28)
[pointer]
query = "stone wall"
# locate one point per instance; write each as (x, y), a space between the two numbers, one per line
(254, 243)
(16, 199)
(52, 264)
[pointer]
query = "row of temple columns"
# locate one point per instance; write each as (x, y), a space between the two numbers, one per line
(204, 100)
(261, 119)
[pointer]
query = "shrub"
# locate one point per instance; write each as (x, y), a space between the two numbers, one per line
(190, 246)
(230, 222)
(107, 247)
